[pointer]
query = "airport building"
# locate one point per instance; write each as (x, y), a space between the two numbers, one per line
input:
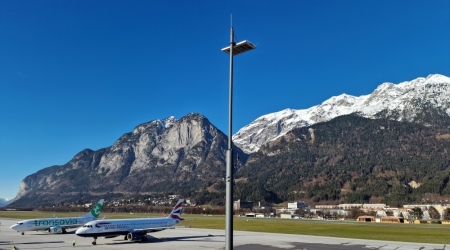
(242, 204)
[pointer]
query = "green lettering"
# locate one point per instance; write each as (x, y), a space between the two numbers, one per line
(56, 222)
(36, 223)
(45, 222)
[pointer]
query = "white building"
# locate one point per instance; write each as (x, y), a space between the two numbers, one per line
(350, 205)
(297, 205)
(374, 206)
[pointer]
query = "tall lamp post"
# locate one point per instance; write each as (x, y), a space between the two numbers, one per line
(232, 50)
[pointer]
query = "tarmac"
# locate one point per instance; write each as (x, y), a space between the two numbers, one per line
(196, 239)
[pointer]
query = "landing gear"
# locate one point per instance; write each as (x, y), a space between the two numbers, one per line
(23, 233)
(125, 238)
(64, 231)
(94, 242)
(144, 239)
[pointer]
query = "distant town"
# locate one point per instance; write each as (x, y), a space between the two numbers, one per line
(411, 213)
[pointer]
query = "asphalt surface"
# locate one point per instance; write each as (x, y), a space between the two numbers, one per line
(196, 239)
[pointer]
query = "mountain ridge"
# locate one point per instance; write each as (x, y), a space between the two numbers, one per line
(400, 102)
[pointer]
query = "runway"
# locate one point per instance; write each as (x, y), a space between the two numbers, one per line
(196, 239)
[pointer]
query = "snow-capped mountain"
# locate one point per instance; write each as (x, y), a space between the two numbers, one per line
(4, 202)
(422, 100)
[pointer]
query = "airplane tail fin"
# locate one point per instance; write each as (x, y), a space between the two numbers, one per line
(176, 212)
(95, 211)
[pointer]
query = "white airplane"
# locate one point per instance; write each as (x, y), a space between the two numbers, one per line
(58, 225)
(133, 229)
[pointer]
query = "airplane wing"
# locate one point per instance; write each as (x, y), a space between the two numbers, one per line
(65, 227)
(150, 230)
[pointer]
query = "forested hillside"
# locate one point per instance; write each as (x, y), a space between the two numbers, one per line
(353, 159)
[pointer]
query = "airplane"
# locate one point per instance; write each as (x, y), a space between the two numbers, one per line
(132, 229)
(58, 225)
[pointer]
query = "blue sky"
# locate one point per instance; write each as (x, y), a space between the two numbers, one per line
(79, 74)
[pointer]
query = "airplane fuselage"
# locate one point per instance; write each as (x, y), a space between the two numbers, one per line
(58, 225)
(101, 228)
(48, 223)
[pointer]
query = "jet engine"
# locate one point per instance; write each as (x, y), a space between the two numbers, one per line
(55, 230)
(136, 236)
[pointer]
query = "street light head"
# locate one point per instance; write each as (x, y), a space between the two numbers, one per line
(240, 47)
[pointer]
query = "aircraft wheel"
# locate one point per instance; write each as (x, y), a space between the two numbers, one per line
(144, 239)
(23, 233)
(94, 243)
(125, 237)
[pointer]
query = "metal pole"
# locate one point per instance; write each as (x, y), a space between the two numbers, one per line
(229, 170)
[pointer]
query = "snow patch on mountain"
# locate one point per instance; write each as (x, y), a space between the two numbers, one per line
(5, 201)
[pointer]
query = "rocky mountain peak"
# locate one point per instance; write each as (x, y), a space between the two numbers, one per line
(82, 154)
(161, 124)
(157, 156)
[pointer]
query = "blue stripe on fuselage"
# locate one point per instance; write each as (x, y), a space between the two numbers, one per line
(101, 234)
